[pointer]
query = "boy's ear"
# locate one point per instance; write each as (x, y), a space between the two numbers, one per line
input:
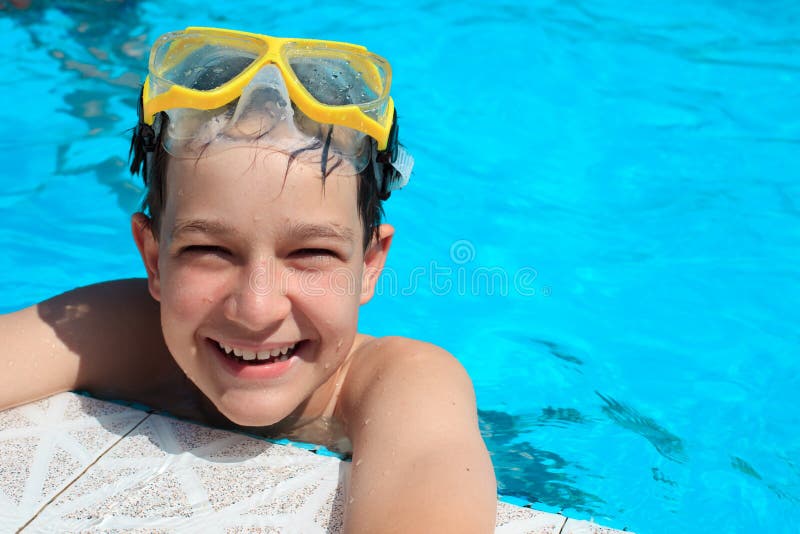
(374, 260)
(141, 227)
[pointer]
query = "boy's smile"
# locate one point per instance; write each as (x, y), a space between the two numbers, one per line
(260, 273)
(258, 363)
(260, 355)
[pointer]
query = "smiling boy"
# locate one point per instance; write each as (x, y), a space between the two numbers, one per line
(266, 161)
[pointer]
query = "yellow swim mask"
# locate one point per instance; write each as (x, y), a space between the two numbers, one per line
(330, 82)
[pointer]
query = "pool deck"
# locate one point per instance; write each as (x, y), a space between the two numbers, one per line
(71, 463)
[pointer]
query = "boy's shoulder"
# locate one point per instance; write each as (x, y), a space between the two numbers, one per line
(375, 357)
(409, 411)
(395, 370)
(398, 351)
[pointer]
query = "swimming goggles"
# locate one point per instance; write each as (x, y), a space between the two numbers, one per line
(330, 82)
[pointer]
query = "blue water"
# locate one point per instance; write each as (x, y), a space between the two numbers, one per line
(602, 225)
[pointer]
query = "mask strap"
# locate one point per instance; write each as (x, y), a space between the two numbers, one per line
(143, 143)
(392, 166)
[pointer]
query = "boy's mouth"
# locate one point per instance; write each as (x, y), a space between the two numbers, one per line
(249, 357)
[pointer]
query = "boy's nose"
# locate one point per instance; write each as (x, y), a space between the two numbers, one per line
(260, 300)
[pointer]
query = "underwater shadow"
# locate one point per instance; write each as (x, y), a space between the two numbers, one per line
(665, 442)
(528, 473)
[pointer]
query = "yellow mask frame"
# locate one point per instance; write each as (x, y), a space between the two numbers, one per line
(373, 117)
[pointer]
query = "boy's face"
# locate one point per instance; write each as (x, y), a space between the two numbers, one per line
(250, 261)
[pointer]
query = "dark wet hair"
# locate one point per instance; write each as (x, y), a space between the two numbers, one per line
(149, 158)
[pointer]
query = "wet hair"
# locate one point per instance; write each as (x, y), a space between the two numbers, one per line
(370, 194)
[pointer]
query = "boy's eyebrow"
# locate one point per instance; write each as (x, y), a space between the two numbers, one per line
(297, 231)
(203, 226)
(303, 231)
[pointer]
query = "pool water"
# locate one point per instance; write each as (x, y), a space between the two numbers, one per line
(602, 224)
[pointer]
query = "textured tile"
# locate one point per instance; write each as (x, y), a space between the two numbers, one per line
(191, 436)
(332, 513)
(517, 519)
(184, 477)
(46, 445)
(18, 457)
(244, 448)
(574, 526)
(62, 469)
(144, 442)
(254, 530)
(80, 407)
(13, 418)
(159, 496)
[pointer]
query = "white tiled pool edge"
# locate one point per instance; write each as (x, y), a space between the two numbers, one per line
(71, 463)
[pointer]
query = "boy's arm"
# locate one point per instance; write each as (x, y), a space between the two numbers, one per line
(104, 337)
(419, 463)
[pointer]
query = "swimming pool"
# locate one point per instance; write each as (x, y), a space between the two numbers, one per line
(602, 225)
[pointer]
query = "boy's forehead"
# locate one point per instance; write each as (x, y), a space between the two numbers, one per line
(246, 185)
(243, 165)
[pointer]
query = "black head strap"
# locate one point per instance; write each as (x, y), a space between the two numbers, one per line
(143, 144)
(385, 173)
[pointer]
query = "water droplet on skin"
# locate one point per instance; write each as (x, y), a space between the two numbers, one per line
(366, 422)
(352, 499)
(359, 462)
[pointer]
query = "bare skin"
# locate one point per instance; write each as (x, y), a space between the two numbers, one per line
(246, 259)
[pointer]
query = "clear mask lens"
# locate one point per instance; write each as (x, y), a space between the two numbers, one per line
(199, 61)
(359, 79)
(264, 117)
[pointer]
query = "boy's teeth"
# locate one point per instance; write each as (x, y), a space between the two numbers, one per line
(265, 355)
(280, 353)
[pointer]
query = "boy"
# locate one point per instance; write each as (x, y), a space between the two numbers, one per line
(265, 161)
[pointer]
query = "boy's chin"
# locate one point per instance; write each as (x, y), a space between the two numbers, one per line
(246, 410)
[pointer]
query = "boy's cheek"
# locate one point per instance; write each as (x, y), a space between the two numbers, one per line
(186, 293)
(338, 283)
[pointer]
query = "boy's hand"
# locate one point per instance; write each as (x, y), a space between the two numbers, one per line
(419, 463)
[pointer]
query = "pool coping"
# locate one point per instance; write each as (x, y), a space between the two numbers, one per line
(71, 462)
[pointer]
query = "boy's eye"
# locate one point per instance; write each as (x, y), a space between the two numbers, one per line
(315, 254)
(204, 249)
